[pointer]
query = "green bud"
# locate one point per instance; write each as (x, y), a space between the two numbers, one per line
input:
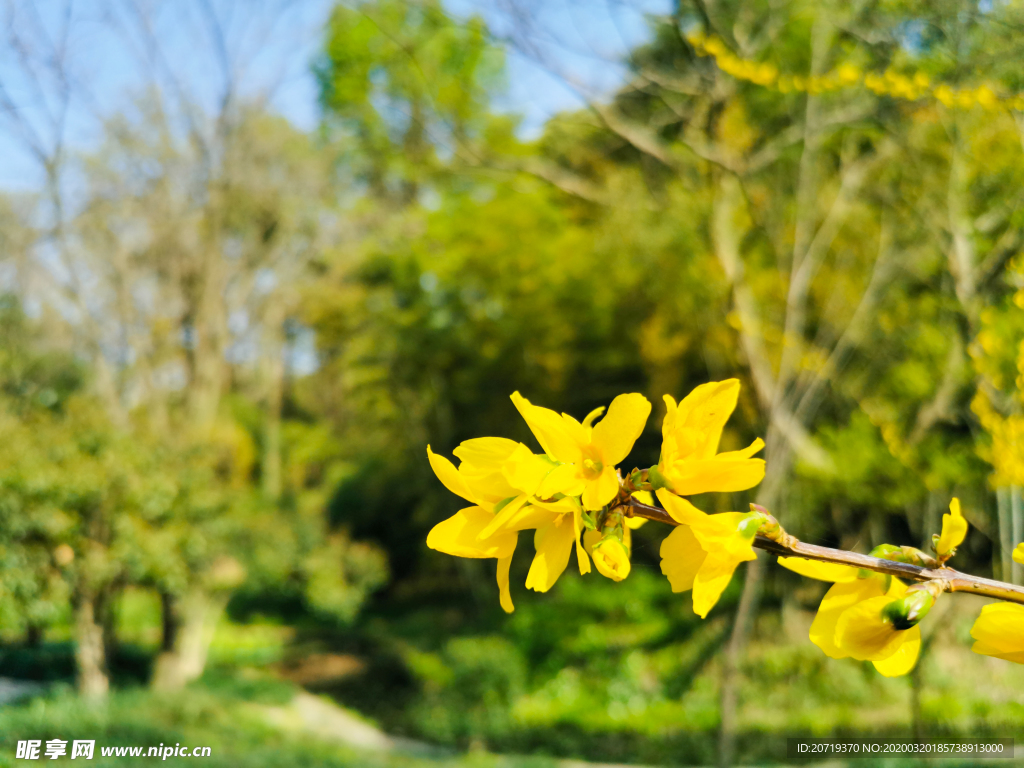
(750, 526)
(907, 611)
(657, 479)
(904, 554)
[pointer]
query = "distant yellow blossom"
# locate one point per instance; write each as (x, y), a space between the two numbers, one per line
(954, 529)
(1018, 553)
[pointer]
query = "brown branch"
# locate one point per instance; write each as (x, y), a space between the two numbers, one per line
(953, 581)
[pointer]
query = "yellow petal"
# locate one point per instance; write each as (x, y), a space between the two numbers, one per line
(706, 410)
(449, 475)
(611, 558)
(815, 569)
(553, 543)
(525, 470)
(487, 453)
(504, 594)
(632, 523)
(681, 558)
(562, 479)
(1000, 626)
(864, 634)
(901, 662)
(529, 516)
(594, 414)
(458, 536)
(954, 529)
(483, 467)
(712, 579)
(713, 475)
(615, 434)
(1018, 553)
(840, 597)
(500, 521)
(988, 650)
(745, 453)
(550, 430)
(601, 490)
(680, 510)
(581, 554)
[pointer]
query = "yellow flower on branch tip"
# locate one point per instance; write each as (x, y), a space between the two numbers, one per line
(954, 530)
(586, 454)
(999, 632)
(703, 551)
(691, 432)
(852, 588)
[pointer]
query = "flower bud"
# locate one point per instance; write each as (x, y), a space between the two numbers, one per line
(656, 479)
(611, 558)
(909, 609)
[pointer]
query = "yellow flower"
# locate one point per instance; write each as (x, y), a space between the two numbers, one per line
(954, 529)
(611, 558)
(851, 588)
(491, 528)
(587, 454)
(1018, 553)
(691, 431)
(703, 551)
(999, 632)
(559, 526)
(872, 630)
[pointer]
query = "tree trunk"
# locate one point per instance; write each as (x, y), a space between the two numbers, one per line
(275, 374)
(34, 635)
(745, 614)
(89, 652)
(1005, 533)
(1017, 512)
(188, 634)
(779, 459)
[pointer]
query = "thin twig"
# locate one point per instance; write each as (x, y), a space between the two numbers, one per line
(953, 581)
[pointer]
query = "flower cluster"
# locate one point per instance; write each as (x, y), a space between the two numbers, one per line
(573, 496)
(848, 75)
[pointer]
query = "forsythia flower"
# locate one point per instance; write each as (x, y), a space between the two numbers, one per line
(954, 529)
(482, 478)
(999, 631)
(882, 629)
(691, 431)
(1018, 553)
(586, 454)
(702, 552)
(841, 608)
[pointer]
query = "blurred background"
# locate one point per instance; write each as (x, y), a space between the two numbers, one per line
(255, 256)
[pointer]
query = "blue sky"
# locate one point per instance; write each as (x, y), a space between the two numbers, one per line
(110, 57)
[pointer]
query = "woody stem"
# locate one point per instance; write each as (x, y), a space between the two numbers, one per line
(952, 581)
